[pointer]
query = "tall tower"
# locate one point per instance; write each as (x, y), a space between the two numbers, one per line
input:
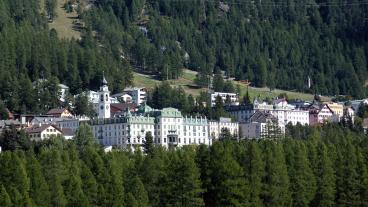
(104, 102)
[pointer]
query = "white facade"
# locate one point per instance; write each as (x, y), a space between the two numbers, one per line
(241, 113)
(322, 114)
(167, 126)
(284, 112)
(215, 128)
(94, 98)
(233, 97)
(294, 117)
(63, 92)
(42, 132)
(72, 124)
(139, 95)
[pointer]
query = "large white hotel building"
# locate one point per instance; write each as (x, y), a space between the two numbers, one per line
(168, 126)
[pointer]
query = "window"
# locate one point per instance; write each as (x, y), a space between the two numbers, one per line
(164, 140)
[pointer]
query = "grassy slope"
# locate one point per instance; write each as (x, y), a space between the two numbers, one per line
(63, 22)
(187, 82)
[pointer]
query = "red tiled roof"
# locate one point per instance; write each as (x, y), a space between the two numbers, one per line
(119, 107)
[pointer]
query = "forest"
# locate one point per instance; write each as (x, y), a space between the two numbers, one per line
(277, 44)
(311, 167)
(34, 60)
(274, 43)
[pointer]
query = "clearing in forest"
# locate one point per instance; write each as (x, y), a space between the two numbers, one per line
(67, 25)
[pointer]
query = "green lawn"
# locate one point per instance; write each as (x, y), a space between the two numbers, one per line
(187, 83)
(64, 22)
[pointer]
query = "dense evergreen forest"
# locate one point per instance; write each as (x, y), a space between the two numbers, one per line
(271, 43)
(30, 51)
(316, 167)
(275, 43)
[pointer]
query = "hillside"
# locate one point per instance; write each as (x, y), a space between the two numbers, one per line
(66, 24)
(187, 83)
(273, 44)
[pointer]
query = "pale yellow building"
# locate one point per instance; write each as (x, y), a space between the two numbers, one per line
(337, 108)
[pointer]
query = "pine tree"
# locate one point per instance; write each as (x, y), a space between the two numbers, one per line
(228, 184)
(84, 137)
(54, 172)
(89, 184)
(325, 177)
(137, 195)
(39, 190)
(347, 178)
(4, 198)
(203, 163)
(153, 175)
(276, 182)
(302, 182)
(183, 178)
(254, 171)
(148, 143)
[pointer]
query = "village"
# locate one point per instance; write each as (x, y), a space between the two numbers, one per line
(124, 120)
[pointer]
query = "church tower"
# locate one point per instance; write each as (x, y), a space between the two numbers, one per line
(104, 102)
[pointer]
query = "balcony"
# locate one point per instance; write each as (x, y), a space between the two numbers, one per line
(173, 140)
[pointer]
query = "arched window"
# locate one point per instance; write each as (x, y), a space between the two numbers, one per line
(107, 97)
(101, 97)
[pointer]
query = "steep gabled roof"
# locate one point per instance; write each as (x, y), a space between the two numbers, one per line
(262, 117)
(39, 129)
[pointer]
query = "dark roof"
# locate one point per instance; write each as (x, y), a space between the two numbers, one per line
(56, 111)
(316, 108)
(5, 123)
(39, 129)
(262, 117)
(120, 107)
(239, 107)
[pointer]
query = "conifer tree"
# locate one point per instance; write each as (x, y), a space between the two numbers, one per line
(39, 190)
(137, 195)
(153, 175)
(275, 191)
(4, 198)
(89, 184)
(148, 143)
(254, 171)
(347, 178)
(302, 182)
(203, 163)
(54, 171)
(183, 178)
(325, 177)
(228, 184)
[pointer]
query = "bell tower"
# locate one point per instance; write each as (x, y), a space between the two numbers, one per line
(104, 101)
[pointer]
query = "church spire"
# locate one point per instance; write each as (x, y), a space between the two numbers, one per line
(104, 81)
